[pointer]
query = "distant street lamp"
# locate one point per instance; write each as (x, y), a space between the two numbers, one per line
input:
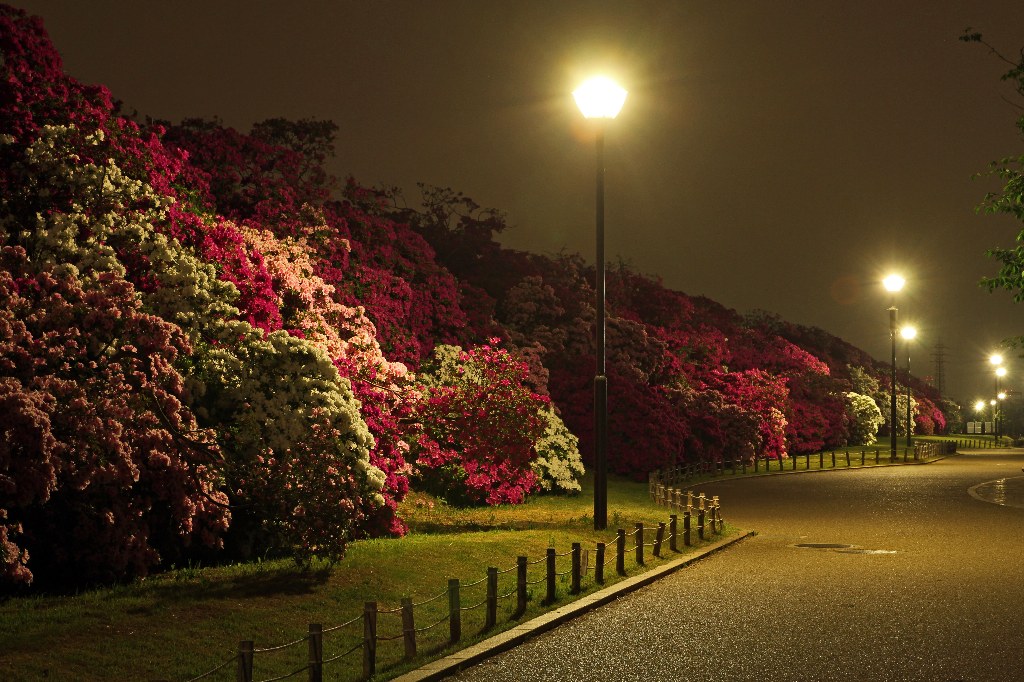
(996, 360)
(908, 333)
(979, 407)
(893, 283)
(600, 98)
(1000, 373)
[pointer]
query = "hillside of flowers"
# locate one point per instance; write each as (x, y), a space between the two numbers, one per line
(211, 349)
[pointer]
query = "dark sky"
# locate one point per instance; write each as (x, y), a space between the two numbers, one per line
(774, 155)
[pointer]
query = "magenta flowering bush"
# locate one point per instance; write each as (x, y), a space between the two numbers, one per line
(480, 427)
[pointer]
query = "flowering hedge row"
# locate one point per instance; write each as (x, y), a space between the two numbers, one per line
(208, 346)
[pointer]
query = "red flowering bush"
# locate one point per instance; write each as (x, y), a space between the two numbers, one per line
(480, 424)
(103, 470)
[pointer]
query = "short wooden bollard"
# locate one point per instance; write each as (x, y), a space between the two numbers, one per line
(491, 606)
(847, 458)
(638, 536)
(807, 463)
(659, 538)
(686, 527)
(794, 463)
(700, 524)
(550, 597)
(673, 526)
(244, 671)
(821, 460)
(408, 628)
(454, 611)
(833, 459)
(520, 586)
(370, 638)
(315, 639)
(620, 552)
(876, 455)
(574, 584)
(743, 462)
(755, 464)
(862, 457)
(599, 564)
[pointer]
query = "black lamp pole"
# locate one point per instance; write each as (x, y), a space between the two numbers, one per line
(892, 387)
(600, 380)
(910, 428)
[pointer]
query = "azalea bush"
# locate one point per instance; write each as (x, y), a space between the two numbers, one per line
(480, 427)
(864, 418)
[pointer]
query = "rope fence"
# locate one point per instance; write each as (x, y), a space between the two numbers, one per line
(662, 479)
(553, 571)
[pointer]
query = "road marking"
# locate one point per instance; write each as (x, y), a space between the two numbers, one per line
(1006, 492)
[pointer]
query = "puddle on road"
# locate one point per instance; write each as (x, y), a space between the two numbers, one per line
(843, 549)
(1006, 492)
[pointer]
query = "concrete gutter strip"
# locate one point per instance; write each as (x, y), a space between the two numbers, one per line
(460, 660)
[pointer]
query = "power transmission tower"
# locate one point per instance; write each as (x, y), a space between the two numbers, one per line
(939, 359)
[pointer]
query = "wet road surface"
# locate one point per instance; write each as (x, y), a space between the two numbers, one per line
(930, 588)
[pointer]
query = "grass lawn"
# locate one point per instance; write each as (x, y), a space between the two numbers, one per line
(181, 624)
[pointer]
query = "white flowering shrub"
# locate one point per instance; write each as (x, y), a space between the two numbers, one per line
(558, 465)
(864, 418)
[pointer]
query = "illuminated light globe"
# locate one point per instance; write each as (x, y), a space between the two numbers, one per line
(996, 359)
(908, 333)
(979, 406)
(1000, 371)
(599, 97)
(893, 283)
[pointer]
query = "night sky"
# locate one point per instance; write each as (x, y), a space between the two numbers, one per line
(780, 156)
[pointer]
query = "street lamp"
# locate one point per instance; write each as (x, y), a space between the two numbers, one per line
(893, 283)
(1000, 373)
(600, 98)
(996, 360)
(908, 333)
(979, 407)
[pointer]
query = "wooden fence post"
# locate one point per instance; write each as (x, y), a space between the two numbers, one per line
(659, 538)
(638, 537)
(574, 585)
(454, 611)
(821, 460)
(550, 576)
(599, 564)
(700, 523)
(492, 598)
(686, 527)
(244, 671)
(408, 628)
(369, 638)
(847, 458)
(520, 586)
(876, 455)
(620, 552)
(673, 526)
(316, 652)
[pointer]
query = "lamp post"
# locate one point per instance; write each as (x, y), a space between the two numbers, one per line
(1000, 373)
(893, 283)
(908, 333)
(979, 407)
(997, 361)
(600, 98)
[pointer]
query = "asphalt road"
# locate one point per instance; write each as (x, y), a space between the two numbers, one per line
(931, 587)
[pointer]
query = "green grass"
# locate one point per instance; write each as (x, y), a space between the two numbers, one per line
(180, 624)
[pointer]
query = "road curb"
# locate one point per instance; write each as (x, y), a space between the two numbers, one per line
(460, 660)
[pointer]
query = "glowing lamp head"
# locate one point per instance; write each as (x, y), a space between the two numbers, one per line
(908, 333)
(599, 97)
(979, 406)
(995, 359)
(1000, 371)
(1001, 396)
(893, 283)
(993, 402)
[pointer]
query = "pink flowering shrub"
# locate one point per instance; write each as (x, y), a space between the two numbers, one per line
(480, 425)
(103, 470)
